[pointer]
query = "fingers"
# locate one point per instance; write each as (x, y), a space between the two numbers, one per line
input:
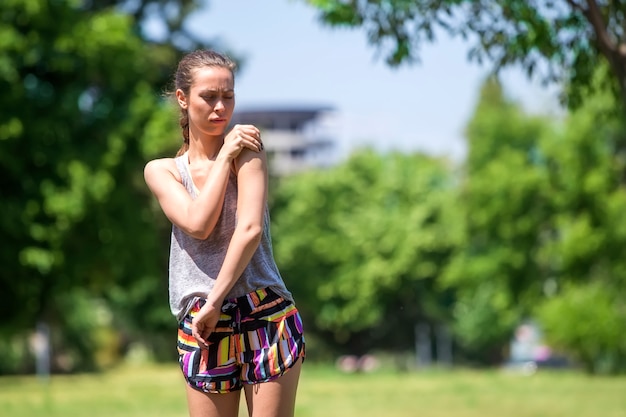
(201, 335)
(248, 136)
(242, 137)
(252, 139)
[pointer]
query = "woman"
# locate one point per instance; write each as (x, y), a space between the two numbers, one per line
(238, 325)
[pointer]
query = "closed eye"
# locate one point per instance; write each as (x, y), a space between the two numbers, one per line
(213, 97)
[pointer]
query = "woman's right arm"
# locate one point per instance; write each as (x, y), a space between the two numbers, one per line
(196, 217)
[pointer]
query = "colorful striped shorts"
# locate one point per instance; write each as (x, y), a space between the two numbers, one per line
(258, 337)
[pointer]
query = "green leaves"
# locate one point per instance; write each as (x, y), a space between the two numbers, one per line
(337, 13)
(545, 207)
(357, 241)
(79, 88)
(555, 41)
(587, 321)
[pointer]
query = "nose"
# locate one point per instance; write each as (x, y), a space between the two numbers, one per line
(219, 105)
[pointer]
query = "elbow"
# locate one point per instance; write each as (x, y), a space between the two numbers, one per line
(199, 228)
(198, 234)
(201, 232)
(252, 233)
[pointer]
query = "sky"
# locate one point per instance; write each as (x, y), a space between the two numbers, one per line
(291, 58)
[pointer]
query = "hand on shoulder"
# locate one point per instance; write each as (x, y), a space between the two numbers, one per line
(242, 137)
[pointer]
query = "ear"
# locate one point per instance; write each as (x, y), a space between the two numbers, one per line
(181, 98)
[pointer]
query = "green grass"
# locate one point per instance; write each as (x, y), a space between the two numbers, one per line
(158, 391)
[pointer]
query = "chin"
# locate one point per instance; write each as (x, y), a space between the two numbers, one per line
(215, 131)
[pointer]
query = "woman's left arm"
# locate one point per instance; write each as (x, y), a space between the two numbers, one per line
(251, 201)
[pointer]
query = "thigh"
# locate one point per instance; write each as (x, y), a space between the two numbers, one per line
(202, 404)
(276, 398)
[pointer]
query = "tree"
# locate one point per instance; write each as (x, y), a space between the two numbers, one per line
(507, 202)
(361, 246)
(79, 110)
(561, 40)
(584, 315)
(544, 207)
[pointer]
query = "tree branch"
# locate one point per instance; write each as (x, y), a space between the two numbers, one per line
(593, 13)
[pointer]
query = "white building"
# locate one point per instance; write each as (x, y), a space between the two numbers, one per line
(295, 138)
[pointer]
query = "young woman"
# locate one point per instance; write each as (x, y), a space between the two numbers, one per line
(238, 324)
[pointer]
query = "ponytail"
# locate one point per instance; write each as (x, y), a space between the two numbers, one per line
(184, 124)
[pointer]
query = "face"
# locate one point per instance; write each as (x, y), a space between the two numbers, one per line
(211, 100)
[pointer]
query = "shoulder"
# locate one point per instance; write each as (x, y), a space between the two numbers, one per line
(159, 167)
(250, 160)
(160, 164)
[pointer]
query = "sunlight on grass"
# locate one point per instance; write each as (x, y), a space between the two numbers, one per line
(158, 391)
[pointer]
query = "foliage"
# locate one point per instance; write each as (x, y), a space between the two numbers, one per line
(370, 247)
(507, 201)
(561, 40)
(545, 206)
(78, 117)
(544, 203)
(588, 321)
(362, 244)
(586, 166)
(585, 316)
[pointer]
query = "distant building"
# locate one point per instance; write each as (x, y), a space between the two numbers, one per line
(295, 138)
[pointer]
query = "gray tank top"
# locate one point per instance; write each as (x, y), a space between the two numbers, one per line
(195, 263)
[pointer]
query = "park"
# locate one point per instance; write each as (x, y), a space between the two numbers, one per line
(489, 284)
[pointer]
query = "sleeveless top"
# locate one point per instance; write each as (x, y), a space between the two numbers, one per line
(195, 263)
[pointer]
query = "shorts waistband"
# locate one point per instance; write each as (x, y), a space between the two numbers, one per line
(248, 302)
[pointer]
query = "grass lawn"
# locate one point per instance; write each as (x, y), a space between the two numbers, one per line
(158, 391)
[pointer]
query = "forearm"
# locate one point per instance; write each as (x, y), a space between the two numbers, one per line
(251, 200)
(242, 246)
(204, 211)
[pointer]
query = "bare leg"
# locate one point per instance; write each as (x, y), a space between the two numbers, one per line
(276, 398)
(212, 405)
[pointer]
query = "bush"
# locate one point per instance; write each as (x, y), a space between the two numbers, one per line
(588, 322)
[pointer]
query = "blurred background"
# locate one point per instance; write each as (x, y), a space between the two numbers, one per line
(447, 178)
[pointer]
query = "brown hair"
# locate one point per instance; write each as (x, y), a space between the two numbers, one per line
(183, 79)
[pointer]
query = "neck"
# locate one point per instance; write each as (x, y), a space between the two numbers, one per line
(204, 149)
